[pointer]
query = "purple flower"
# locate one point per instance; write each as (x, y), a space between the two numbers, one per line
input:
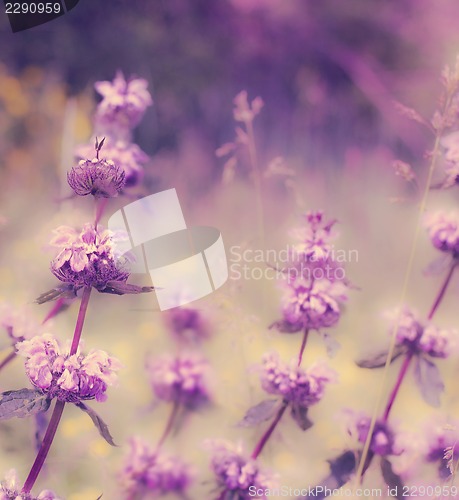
(123, 103)
(68, 378)
(243, 111)
(443, 229)
(127, 156)
(294, 384)
(451, 145)
(18, 323)
(87, 257)
(424, 338)
(150, 472)
(181, 379)
(442, 445)
(11, 490)
(187, 324)
(315, 304)
(100, 177)
(236, 474)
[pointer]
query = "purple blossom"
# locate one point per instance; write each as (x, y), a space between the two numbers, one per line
(315, 304)
(236, 474)
(100, 177)
(123, 104)
(423, 338)
(127, 156)
(11, 490)
(441, 445)
(180, 379)
(443, 229)
(68, 378)
(243, 111)
(187, 324)
(151, 472)
(451, 145)
(294, 384)
(18, 323)
(87, 257)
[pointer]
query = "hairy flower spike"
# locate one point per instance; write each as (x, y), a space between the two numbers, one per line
(236, 474)
(294, 384)
(315, 237)
(99, 177)
(87, 257)
(181, 379)
(68, 378)
(11, 490)
(147, 472)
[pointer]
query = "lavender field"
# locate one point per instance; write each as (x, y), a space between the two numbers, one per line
(314, 353)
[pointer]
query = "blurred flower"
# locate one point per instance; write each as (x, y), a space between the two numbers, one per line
(237, 475)
(18, 323)
(424, 338)
(443, 231)
(187, 324)
(294, 384)
(68, 378)
(243, 111)
(11, 490)
(315, 237)
(125, 155)
(148, 472)
(99, 177)
(442, 445)
(404, 170)
(181, 379)
(87, 257)
(123, 103)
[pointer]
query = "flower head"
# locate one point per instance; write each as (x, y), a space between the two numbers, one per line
(68, 378)
(11, 490)
(100, 177)
(87, 257)
(18, 323)
(442, 445)
(443, 229)
(181, 379)
(186, 324)
(123, 104)
(315, 237)
(236, 474)
(126, 156)
(243, 111)
(423, 338)
(294, 384)
(149, 472)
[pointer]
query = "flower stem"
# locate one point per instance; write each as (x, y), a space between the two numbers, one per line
(264, 439)
(303, 345)
(442, 292)
(398, 383)
(55, 310)
(8, 359)
(169, 425)
(80, 320)
(45, 446)
(100, 208)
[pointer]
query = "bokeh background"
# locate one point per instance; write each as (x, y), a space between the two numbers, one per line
(329, 73)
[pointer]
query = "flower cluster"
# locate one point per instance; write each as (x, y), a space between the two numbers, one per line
(302, 387)
(315, 237)
(243, 111)
(100, 177)
(187, 324)
(10, 490)
(443, 229)
(87, 257)
(424, 338)
(236, 474)
(181, 379)
(18, 323)
(68, 378)
(442, 446)
(149, 472)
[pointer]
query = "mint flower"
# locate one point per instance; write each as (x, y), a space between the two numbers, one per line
(123, 104)
(238, 477)
(11, 490)
(294, 384)
(441, 445)
(186, 324)
(148, 472)
(71, 379)
(181, 379)
(443, 229)
(87, 257)
(18, 323)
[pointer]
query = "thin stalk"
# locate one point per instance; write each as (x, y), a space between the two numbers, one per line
(303, 345)
(169, 425)
(45, 446)
(264, 439)
(101, 204)
(80, 320)
(441, 292)
(58, 305)
(8, 359)
(401, 376)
